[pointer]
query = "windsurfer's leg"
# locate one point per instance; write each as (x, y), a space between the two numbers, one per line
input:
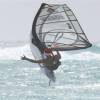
(49, 82)
(50, 74)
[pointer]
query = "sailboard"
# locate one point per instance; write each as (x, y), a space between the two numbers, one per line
(56, 27)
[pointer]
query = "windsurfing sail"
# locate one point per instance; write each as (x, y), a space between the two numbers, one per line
(56, 27)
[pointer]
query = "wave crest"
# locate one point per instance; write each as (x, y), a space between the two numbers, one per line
(16, 52)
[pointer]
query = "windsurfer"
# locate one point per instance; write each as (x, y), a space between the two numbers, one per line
(50, 60)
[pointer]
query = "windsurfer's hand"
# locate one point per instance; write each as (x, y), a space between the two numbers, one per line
(23, 58)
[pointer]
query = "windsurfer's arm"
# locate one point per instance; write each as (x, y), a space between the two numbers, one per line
(33, 61)
(59, 55)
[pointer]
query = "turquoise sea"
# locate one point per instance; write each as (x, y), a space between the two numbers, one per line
(78, 78)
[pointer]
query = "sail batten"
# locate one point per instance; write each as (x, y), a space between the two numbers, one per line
(55, 13)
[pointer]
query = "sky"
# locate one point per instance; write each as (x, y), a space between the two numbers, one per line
(16, 17)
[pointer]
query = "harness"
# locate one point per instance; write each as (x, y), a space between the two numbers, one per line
(56, 65)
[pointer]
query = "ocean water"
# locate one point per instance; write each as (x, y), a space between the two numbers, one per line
(78, 78)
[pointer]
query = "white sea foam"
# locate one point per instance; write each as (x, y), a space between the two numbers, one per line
(14, 52)
(86, 55)
(88, 86)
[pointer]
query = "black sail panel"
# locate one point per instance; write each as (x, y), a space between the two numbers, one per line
(34, 36)
(56, 26)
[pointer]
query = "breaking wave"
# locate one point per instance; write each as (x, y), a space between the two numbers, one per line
(15, 52)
